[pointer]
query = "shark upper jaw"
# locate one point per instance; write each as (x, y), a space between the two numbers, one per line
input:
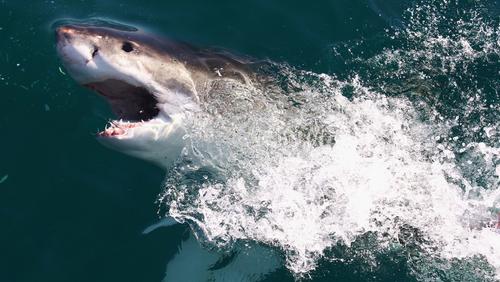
(132, 102)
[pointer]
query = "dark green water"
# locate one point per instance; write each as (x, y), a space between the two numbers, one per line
(72, 210)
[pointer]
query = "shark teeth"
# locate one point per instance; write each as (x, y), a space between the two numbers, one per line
(118, 127)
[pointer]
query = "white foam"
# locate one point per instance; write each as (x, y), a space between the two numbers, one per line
(394, 164)
(384, 171)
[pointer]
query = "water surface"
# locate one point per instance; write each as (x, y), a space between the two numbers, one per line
(421, 72)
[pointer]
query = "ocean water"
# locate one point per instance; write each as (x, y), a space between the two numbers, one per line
(378, 160)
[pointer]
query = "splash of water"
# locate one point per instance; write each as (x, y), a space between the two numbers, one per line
(412, 158)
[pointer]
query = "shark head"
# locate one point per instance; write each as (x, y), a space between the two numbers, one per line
(144, 79)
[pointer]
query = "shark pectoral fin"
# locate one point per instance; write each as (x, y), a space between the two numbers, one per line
(252, 263)
(165, 222)
(191, 263)
(246, 263)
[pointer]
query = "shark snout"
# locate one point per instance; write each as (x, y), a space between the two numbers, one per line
(64, 33)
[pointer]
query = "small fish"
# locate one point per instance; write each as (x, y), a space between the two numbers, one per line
(61, 71)
(4, 178)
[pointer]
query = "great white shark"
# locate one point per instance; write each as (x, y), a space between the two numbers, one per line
(153, 84)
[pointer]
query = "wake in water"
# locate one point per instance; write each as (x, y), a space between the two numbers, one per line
(397, 155)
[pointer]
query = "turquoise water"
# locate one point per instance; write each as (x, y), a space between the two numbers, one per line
(72, 210)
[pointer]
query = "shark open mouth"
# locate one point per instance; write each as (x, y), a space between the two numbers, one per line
(133, 105)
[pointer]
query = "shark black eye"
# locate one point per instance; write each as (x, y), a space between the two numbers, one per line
(127, 47)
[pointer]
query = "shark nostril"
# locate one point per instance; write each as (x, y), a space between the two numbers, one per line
(95, 51)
